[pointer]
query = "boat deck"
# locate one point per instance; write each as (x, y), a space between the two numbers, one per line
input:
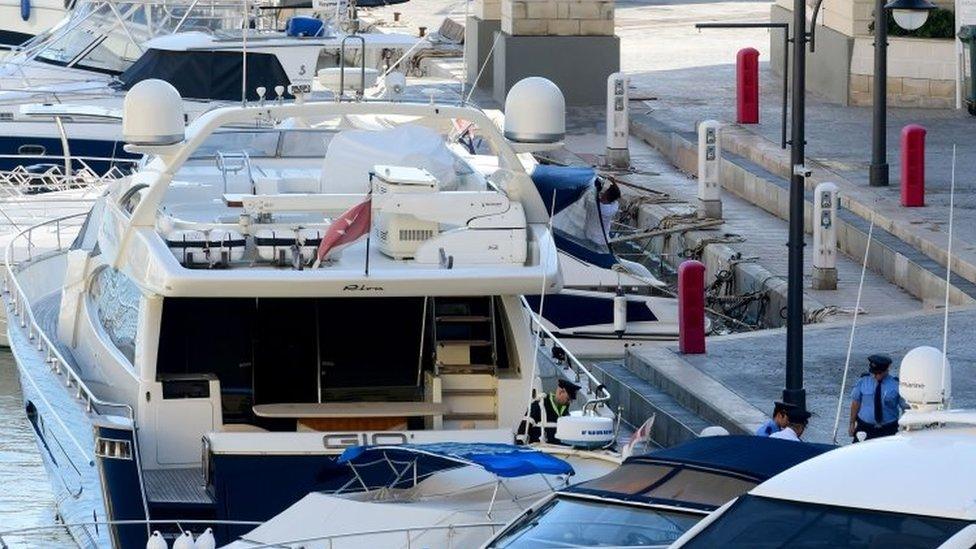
(183, 486)
(46, 311)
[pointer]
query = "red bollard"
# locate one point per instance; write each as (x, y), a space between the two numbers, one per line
(913, 166)
(747, 86)
(691, 307)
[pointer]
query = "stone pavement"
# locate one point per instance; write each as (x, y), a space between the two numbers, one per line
(753, 365)
(838, 138)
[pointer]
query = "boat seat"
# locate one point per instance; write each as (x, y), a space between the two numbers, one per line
(276, 246)
(206, 248)
(286, 181)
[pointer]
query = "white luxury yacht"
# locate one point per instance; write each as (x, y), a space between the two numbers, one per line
(22, 20)
(214, 337)
(61, 96)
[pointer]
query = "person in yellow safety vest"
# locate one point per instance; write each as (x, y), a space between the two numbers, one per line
(539, 424)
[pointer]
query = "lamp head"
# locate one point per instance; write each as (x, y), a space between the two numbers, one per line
(910, 14)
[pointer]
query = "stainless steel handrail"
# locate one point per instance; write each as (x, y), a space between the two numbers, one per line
(402, 529)
(578, 367)
(19, 306)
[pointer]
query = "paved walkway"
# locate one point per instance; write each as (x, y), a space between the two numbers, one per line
(685, 76)
(753, 365)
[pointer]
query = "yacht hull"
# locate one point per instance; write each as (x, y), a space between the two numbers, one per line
(64, 433)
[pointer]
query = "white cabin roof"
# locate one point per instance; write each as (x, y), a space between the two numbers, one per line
(914, 472)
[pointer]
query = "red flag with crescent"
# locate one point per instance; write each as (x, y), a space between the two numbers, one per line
(349, 227)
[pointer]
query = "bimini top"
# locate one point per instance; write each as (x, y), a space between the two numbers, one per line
(414, 462)
(703, 473)
(926, 473)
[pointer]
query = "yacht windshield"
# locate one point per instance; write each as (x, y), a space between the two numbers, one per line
(571, 522)
(757, 522)
(107, 36)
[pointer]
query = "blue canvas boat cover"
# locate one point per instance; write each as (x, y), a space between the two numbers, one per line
(757, 457)
(422, 460)
(568, 182)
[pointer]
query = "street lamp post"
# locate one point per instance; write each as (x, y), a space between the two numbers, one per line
(910, 15)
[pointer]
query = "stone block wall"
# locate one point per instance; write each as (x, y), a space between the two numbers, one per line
(921, 73)
(850, 17)
(488, 10)
(557, 17)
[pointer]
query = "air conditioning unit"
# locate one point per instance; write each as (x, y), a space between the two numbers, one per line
(400, 235)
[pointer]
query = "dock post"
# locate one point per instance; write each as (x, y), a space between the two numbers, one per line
(691, 307)
(618, 120)
(825, 237)
(710, 170)
(913, 166)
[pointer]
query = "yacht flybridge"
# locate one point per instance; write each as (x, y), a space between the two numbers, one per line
(62, 95)
(216, 336)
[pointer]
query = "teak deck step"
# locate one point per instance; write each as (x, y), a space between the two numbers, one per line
(463, 318)
(468, 392)
(466, 342)
(470, 417)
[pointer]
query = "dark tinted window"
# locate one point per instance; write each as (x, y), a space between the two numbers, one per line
(757, 523)
(569, 522)
(670, 482)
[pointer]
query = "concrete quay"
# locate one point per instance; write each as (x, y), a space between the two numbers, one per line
(751, 367)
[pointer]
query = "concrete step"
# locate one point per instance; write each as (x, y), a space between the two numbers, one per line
(673, 423)
(694, 390)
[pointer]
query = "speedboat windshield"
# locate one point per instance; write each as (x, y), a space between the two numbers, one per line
(758, 522)
(107, 36)
(570, 522)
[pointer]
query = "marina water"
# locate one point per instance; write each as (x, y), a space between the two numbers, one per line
(26, 498)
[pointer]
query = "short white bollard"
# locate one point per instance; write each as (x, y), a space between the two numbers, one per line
(710, 169)
(825, 237)
(618, 120)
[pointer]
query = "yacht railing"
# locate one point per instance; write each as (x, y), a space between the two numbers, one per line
(20, 180)
(407, 531)
(20, 311)
(578, 368)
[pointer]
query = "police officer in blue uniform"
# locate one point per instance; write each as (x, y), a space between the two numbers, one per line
(778, 422)
(875, 401)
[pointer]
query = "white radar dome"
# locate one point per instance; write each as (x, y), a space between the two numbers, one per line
(584, 431)
(153, 114)
(920, 379)
(714, 431)
(535, 112)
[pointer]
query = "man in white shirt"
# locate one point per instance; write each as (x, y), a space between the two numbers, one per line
(599, 216)
(798, 423)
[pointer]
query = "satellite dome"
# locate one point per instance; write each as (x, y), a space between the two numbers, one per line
(535, 112)
(584, 431)
(920, 379)
(153, 114)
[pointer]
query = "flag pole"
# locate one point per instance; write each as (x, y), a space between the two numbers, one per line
(369, 231)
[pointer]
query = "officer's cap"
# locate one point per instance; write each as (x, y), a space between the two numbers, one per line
(570, 387)
(785, 407)
(879, 363)
(798, 415)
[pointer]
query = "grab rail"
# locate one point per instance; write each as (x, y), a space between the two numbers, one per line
(19, 306)
(406, 530)
(578, 368)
